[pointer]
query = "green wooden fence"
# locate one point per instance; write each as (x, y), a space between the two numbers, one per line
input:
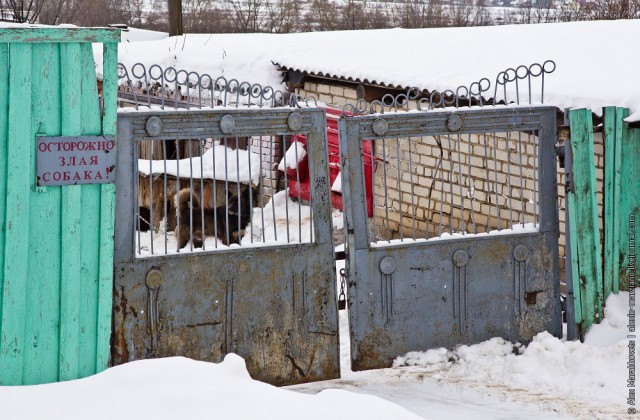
(599, 269)
(56, 243)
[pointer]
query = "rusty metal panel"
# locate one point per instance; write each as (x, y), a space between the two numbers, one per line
(423, 287)
(272, 304)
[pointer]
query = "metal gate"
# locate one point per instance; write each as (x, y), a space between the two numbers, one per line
(265, 293)
(463, 244)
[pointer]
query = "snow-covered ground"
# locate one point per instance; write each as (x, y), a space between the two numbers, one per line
(549, 378)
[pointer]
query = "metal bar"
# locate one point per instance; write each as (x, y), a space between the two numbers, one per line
(178, 187)
(226, 188)
(202, 203)
(386, 197)
(136, 187)
(487, 182)
(398, 162)
(413, 207)
(151, 194)
(190, 193)
(459, 147)
(298, 184)
(273, 190)
(165, 197)
(522, 206)
(214, 187)
(239, 196)
(472, 186)
(286, 186)
(495, 177)
(450, 185)
(508, 141)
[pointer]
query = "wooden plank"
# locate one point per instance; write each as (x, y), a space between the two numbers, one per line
(16, 261)
(65, 35)
(577, 298)
(107, 215)
(4, 125)
(629, 203)
(4, 118)
(90, 222)
(617, 191)
(71, 218)
(43, 316)
(587, 233)
(610, 224)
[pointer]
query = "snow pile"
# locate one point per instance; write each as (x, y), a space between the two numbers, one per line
(180, 388)
(219, 162)
(446, 236)
(594, 371)
(294, 155)
(282, 220)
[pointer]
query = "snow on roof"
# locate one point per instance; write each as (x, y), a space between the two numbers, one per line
(594, 65)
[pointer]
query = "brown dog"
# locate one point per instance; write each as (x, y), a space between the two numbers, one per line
(226, 222)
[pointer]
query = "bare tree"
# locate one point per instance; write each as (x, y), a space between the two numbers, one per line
(248, 15)
(23, 10)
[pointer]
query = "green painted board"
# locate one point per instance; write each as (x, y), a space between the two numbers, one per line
(107, 215)
(577, 301)
(629, 202)
(56, 243)
(58, 35)
(16, 249)
(4, 122)
(41, 357)
(611, 137)
(586, 226)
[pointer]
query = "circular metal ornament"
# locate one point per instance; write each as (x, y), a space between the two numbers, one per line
(154, 278)
(380, 126)
(460, 258)
(153, 126)
(387, 265)
(295, 121)
(454, 122)
(521, 253)
(227, 124)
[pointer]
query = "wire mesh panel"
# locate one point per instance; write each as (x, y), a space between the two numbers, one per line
(213, 255)
(462, 242)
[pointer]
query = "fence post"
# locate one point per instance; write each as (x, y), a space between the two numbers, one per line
(584, 228)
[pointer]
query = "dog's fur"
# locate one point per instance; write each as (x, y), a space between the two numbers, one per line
(227, 222)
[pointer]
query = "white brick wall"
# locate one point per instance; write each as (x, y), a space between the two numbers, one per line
(424, 156)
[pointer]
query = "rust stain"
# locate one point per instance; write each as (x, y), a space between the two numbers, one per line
(204, 324)
(120, 352)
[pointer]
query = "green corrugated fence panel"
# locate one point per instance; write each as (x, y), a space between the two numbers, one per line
(56, 243)
(585, 228)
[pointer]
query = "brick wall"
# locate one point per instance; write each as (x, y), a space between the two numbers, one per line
(478, 169)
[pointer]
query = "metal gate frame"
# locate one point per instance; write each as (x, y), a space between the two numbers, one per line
(273, 305)
(505, 285)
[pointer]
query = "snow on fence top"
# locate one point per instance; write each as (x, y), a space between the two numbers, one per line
(432, 59)
(219, 163)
